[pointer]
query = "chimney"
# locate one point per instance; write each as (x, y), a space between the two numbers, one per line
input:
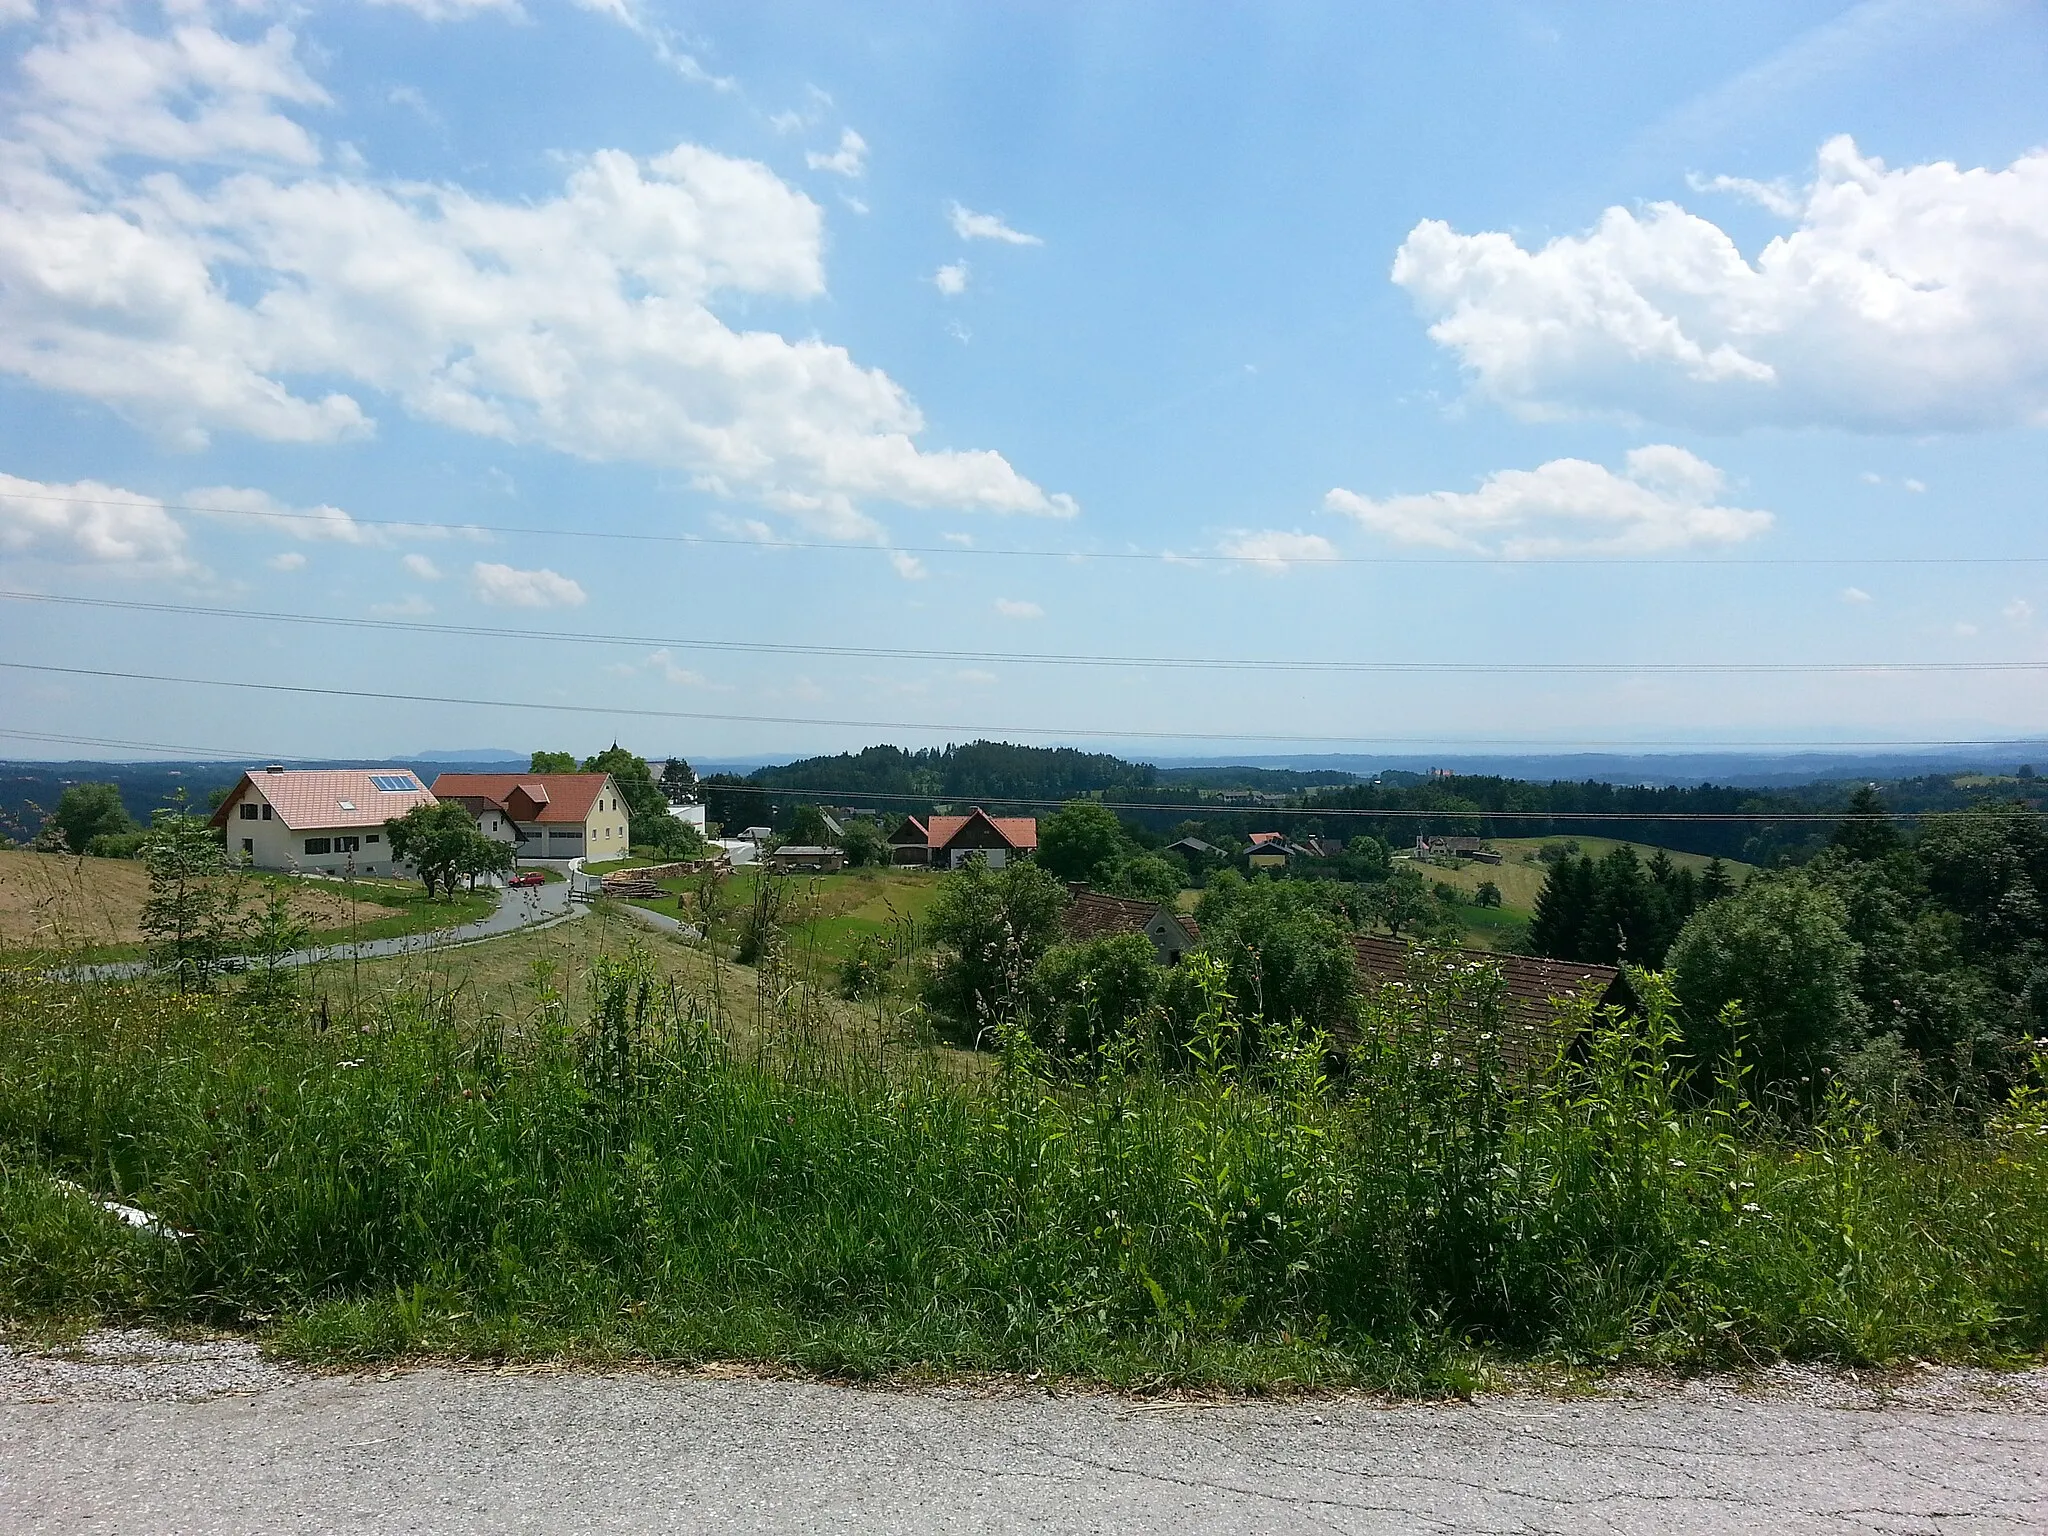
(275, 768)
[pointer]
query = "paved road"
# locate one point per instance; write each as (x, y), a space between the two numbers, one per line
(213, 1441)
(531, 906)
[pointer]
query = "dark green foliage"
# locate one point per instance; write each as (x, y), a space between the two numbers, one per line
(1868, 834)
(88, 811)
(1488, 895)
(189, 915)
(1081, 841)
(1780, 951)
(864, 843)
(807, 828)
(1613, 911)
(678, 779)
(989, 928)
(443, 844)
(1285, 956)
(271, 987)
(1144, 877)
(552, 762)
(1082, 997)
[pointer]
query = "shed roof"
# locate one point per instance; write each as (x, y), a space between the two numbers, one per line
(1531, 1032)
(307, 799)
(557, 797)
(1020, 832)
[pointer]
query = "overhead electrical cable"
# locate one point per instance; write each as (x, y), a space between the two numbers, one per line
(1434, 743)
(1157, 556)
(1026, 658)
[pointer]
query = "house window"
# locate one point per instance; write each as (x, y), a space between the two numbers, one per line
(249, 812)
(373, 837)
(347, 844)
(266, 813)
(249, 845)
(319, 844)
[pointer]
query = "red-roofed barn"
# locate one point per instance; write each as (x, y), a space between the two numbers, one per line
(947, 842)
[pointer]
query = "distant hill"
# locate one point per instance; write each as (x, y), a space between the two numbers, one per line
(491, 755)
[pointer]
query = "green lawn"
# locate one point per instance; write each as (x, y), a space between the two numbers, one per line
(826, 916)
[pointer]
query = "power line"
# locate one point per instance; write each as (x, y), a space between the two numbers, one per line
(1027, 658)
(1437, 743)
(1158, 556)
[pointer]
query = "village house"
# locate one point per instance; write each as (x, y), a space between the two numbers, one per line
(545, 816)
(1269, 850)
(947, 842)
(1092, 915)
(1534, 1026)
(317, 820)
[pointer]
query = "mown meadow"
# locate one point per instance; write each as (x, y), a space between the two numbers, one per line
(625, 1174)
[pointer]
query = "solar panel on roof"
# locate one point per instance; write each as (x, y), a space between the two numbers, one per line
(394, 781)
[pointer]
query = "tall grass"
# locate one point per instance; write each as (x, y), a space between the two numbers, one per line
(614, 1175)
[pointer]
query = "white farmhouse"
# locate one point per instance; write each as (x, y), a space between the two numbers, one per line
(324, 820)
(546, 816)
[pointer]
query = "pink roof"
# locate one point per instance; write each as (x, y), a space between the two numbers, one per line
(307, 799)
(561, 797)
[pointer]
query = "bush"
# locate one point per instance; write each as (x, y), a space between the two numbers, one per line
(1084, 997)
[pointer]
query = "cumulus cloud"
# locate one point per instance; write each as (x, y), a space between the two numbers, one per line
(503, 586)
(850, 159)
(664, 663)
(1276, 550)
(290, 560)
(90, 524)
(951, 279)
(252, 510)
(422, 567)
(1018, 608)
(969, 225)
(2019, 611)
(909, 567)
(1901, 300)
(451, 10)
(1665, 498)
(190, 261)
(1855, 595)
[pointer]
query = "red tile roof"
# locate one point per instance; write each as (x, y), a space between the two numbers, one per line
(1092, 915)
(1020, 832)
(308, 799)
(558, 797)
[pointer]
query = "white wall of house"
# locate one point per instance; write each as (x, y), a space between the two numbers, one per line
(265, 842)
(995, 857)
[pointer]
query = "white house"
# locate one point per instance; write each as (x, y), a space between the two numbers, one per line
(545, 815)
(326, 820)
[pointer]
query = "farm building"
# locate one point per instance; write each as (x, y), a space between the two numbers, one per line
(1092, 915)
(1529, 1033)
(947, 842)
(545, 815)
(1474, 848)
(806, 856)
(317, 820)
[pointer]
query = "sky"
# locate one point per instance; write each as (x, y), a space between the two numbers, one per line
(1476, 375)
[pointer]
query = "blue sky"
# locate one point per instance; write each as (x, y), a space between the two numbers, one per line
(1625, 324)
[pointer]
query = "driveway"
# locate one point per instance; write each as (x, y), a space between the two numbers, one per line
(143, 1436)
(530, 906)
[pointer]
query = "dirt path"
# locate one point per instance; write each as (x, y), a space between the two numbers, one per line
(134, 1435)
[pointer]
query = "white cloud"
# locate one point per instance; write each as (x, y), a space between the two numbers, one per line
(850, 159)
(411, 606)
(252, 510)
(1275, 550)
(2018, 611)
(976, 676)
(422, 567)
(451, 10)
(951, 279)
(969, 225)
(1872, 477)
(909, 567)
(13, 11)
(1855, 595)
(1903, 300)
(290, 560)
(1017, 608)
(1664, 499)
(1966, 630)
(231, 283)
(1915, 486)
(91, 524)
(502, 586)
(964, 540)
(664, 663)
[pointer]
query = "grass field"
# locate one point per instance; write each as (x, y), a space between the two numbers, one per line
(59, 904)
(826, 917)
(631, 1173)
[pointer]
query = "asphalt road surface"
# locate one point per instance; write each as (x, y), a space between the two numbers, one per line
(134, 1434)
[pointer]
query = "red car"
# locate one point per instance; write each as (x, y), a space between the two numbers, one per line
(531, 877)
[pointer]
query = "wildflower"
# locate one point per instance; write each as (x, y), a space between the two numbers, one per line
(355, 1063)
(1677, 1162)
(1751, 1205)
